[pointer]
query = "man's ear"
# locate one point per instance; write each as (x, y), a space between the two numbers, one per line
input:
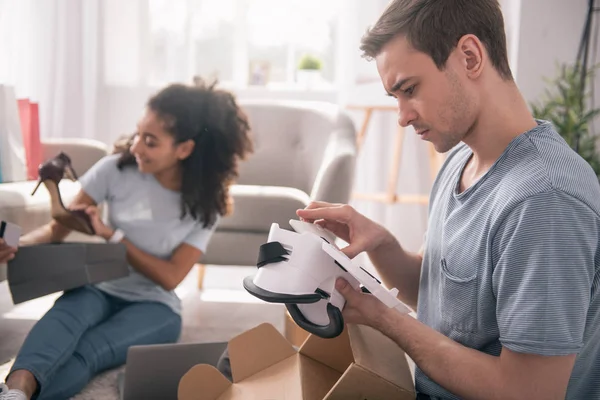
(184, 149)
(472, 55)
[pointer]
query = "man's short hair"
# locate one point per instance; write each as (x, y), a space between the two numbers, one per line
(434, 27)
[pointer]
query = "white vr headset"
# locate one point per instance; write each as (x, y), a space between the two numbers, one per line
(299, 269)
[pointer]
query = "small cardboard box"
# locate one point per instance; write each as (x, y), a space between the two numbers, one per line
(42, 269)
(359, 364)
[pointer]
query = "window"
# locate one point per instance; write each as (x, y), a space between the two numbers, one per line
(241, 41)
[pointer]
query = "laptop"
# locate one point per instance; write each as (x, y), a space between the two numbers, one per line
(154, 371)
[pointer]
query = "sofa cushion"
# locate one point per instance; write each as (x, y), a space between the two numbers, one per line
(256, 207)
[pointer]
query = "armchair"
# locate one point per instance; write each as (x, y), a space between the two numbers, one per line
(303, 151)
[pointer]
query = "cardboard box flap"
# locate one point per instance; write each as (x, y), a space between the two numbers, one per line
(317, 378)
(204, 382)
(380, 355)
(257, 349)
(358, 383)
(335, 353)
(277, 382)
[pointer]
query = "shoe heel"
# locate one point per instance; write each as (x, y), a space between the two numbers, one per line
(53, 170)
(70, 172)
(36, 187)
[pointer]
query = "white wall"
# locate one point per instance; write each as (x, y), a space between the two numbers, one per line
(511, 9)
(549, 33)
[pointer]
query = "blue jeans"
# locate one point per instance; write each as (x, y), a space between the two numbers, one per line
(88, 331)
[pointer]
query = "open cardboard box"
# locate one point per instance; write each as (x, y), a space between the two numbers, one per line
(292, 332)
(360, 364)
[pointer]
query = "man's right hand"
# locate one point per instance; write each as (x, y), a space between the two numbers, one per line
(361, 233)
(7, 253)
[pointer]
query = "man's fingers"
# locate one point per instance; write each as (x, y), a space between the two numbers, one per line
(331, 226)
(335, 213)
(310, 206)
(319, 204)
(345, 289)
(351, 251)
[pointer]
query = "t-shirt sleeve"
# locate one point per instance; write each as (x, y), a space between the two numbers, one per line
(96, 182)
(544, 256)
(200, 236)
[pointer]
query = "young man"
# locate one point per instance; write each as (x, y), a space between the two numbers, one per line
(506, 290)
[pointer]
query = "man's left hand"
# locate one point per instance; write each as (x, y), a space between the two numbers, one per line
(361, 308)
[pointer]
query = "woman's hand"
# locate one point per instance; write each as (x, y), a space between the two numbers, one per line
(361, 233)
(99, 227)
(7, 253)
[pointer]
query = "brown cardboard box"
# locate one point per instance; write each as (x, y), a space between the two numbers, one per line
(359, 364)
(293, 333)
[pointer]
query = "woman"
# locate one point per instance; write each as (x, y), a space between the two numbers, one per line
(164, 193)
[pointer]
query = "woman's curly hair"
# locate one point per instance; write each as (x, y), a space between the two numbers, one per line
(221, 134)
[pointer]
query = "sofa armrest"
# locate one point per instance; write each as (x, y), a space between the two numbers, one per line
(83, 152)
(335, 177)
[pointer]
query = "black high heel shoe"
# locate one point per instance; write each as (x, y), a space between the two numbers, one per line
(51, 173)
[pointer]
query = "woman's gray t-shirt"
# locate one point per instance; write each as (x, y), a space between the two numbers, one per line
(150, 217)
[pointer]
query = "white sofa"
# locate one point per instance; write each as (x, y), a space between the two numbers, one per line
(18, 206)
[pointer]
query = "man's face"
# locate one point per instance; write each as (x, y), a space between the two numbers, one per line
(436, 103)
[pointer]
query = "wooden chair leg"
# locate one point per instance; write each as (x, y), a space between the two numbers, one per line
(394, 172)
(360, 138)
(201, 272)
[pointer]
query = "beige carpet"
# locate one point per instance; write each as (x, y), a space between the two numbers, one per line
(217, 313)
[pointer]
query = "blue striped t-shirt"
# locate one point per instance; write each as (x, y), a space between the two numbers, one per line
(513, 260)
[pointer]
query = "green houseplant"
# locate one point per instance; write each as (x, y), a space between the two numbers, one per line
(567, 106)
(308, 74)
(310, 62)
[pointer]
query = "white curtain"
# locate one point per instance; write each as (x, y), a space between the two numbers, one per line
(50, 53)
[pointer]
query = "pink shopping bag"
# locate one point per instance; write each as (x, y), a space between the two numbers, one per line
(30, 127)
